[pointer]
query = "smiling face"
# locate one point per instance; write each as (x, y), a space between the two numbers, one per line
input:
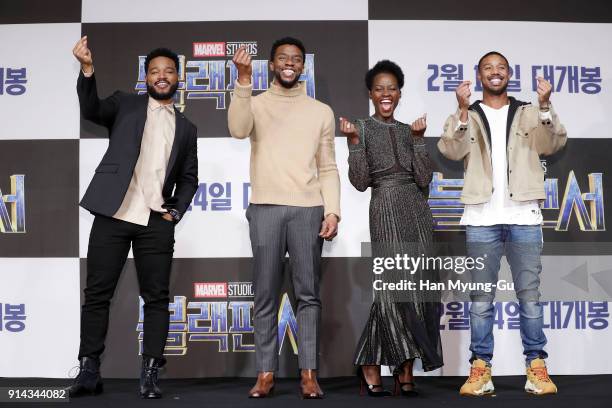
(494, 74)
(287, 65)
(385, 95)
(162, 79)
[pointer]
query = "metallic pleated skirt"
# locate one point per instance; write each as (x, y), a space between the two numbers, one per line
(405, 327)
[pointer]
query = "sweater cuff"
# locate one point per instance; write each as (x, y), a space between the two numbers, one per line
(420, 147)
(335, 212)
(355, 147)
(243, 91)
(419, 140)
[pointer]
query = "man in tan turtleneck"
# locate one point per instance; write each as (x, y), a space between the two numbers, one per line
(294, 204)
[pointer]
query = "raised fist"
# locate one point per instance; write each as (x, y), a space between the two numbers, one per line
(242, 61)
(418, 126)
(83, 55)
(349, 130)
(463, 95)
(544, 90)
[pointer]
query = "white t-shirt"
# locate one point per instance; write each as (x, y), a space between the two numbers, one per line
(500, 209)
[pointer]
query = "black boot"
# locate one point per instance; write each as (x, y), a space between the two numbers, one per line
(88, 381)
(148, 377)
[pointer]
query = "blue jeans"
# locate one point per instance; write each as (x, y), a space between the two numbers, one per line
(522, 245)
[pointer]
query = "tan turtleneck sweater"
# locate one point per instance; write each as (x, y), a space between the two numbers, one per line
(293, 160)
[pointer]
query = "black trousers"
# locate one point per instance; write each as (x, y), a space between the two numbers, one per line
(109, 244)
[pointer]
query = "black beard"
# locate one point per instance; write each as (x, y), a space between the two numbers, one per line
(283, 83)
(496, 92)
(162, 96)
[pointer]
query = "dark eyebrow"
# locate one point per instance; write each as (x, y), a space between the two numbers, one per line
(289, 55)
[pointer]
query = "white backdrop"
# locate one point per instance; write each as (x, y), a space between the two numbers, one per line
(49, 290)
(49, 109)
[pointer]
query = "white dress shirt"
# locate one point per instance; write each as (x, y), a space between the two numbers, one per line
(145, 190)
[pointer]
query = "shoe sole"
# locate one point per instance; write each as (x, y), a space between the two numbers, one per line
(309, 397)
(150, 396)
(268, 395)
(486, 389)
(533, 390)
(91, 393)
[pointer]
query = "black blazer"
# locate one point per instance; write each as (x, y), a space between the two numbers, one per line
(124, 116)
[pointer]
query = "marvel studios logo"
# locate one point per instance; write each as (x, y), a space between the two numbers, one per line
(203, 290)
(222, 49)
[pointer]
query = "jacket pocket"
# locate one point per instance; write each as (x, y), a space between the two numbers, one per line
(107, 168)
(528, 122)
(523, 133)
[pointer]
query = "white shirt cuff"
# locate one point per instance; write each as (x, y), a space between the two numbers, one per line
(545, 119)
(461, 126)
(88, 75)
(545, 115)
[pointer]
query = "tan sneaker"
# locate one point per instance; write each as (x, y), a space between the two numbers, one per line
(538, 381)
(479, 383)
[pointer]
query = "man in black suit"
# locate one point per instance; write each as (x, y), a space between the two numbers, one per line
(141, 188)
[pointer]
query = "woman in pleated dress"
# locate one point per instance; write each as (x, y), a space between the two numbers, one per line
(390, 157)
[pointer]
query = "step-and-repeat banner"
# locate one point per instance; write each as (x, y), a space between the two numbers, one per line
(48, 154)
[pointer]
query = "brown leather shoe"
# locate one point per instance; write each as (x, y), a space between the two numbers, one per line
(264, 386)
(309, 386)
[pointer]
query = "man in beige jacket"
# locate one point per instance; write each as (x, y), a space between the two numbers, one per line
(500, 141)
(294, 203)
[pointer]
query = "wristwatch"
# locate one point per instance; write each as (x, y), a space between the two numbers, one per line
(176, 216)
